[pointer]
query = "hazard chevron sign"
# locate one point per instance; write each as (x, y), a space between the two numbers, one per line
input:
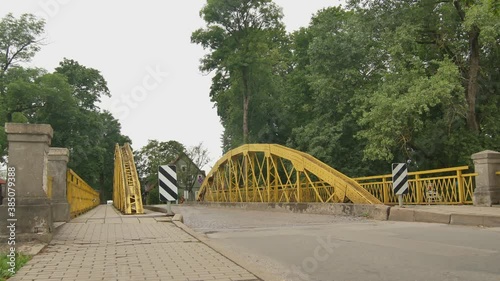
(400, 178)
(167, 182)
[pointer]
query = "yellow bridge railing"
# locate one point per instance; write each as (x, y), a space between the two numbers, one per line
(274, 173)
(81, 197)
(441, 186)
(126, 186)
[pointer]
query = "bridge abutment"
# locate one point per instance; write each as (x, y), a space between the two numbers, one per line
(28, 168)
(58, 170)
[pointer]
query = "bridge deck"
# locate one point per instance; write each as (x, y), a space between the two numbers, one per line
(106, 245)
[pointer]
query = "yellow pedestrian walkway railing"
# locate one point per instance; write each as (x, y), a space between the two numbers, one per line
(126, 185)
(81, 197)
(450, 186)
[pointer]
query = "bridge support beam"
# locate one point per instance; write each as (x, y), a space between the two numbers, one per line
(486, 164)
(58, 166)
(28, 155)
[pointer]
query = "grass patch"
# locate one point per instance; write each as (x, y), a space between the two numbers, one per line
(5, 266)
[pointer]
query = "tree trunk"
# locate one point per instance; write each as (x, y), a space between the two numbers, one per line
(472, 85)
(472, 82)
(246, 101)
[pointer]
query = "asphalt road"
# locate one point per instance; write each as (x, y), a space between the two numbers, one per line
(321, 247)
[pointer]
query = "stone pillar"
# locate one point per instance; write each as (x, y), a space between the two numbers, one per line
(58, 166)
(486, 164)
(28, 155)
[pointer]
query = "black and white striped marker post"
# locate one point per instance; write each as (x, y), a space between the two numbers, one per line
(400, 180)
(167, 184)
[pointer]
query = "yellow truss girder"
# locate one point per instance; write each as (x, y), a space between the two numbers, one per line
(126, 185)
(274, 173)
(81, 196)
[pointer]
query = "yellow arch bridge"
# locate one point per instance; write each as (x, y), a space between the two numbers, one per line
(126, 185)
(271, 173)
(274, 173)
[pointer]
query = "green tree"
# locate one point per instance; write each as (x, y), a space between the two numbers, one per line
(242, 37)
(66, 99)
(88, 83)
(20, 38)
(34, 96)
(154, 154)
(89, 133)
(332, 67)
(153, 197)
(111, 135)
(430, 100)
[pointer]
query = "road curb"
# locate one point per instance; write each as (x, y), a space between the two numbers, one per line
(414, 215)
(378, 212)
(156, 209)
(401, 214)
(431, 217)
(178, 217)
(475, 220)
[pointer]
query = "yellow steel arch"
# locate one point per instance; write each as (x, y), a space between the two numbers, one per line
(126, 186)
(274, 173)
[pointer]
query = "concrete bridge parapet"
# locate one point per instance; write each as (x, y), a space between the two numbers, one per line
(58, 167)
(28, 168)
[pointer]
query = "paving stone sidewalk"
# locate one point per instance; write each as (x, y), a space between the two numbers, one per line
(106, 245)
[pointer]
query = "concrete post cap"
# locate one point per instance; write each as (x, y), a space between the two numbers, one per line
(29, 129)
(58, 151)
(487, 154)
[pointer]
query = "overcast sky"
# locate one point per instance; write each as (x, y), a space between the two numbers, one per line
(143, 50)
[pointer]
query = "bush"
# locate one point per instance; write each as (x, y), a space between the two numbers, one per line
(153, 197)
(4, 266)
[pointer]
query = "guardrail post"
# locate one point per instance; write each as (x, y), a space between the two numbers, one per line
(299, 192)
(460, 186)
(385, 190)
(418, 186)
(58, 166)
(486, 164)
(28, 158)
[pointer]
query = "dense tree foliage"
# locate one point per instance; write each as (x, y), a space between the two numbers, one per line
(244, 38)
(366, 85)
(154, 154)
(67, 99)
